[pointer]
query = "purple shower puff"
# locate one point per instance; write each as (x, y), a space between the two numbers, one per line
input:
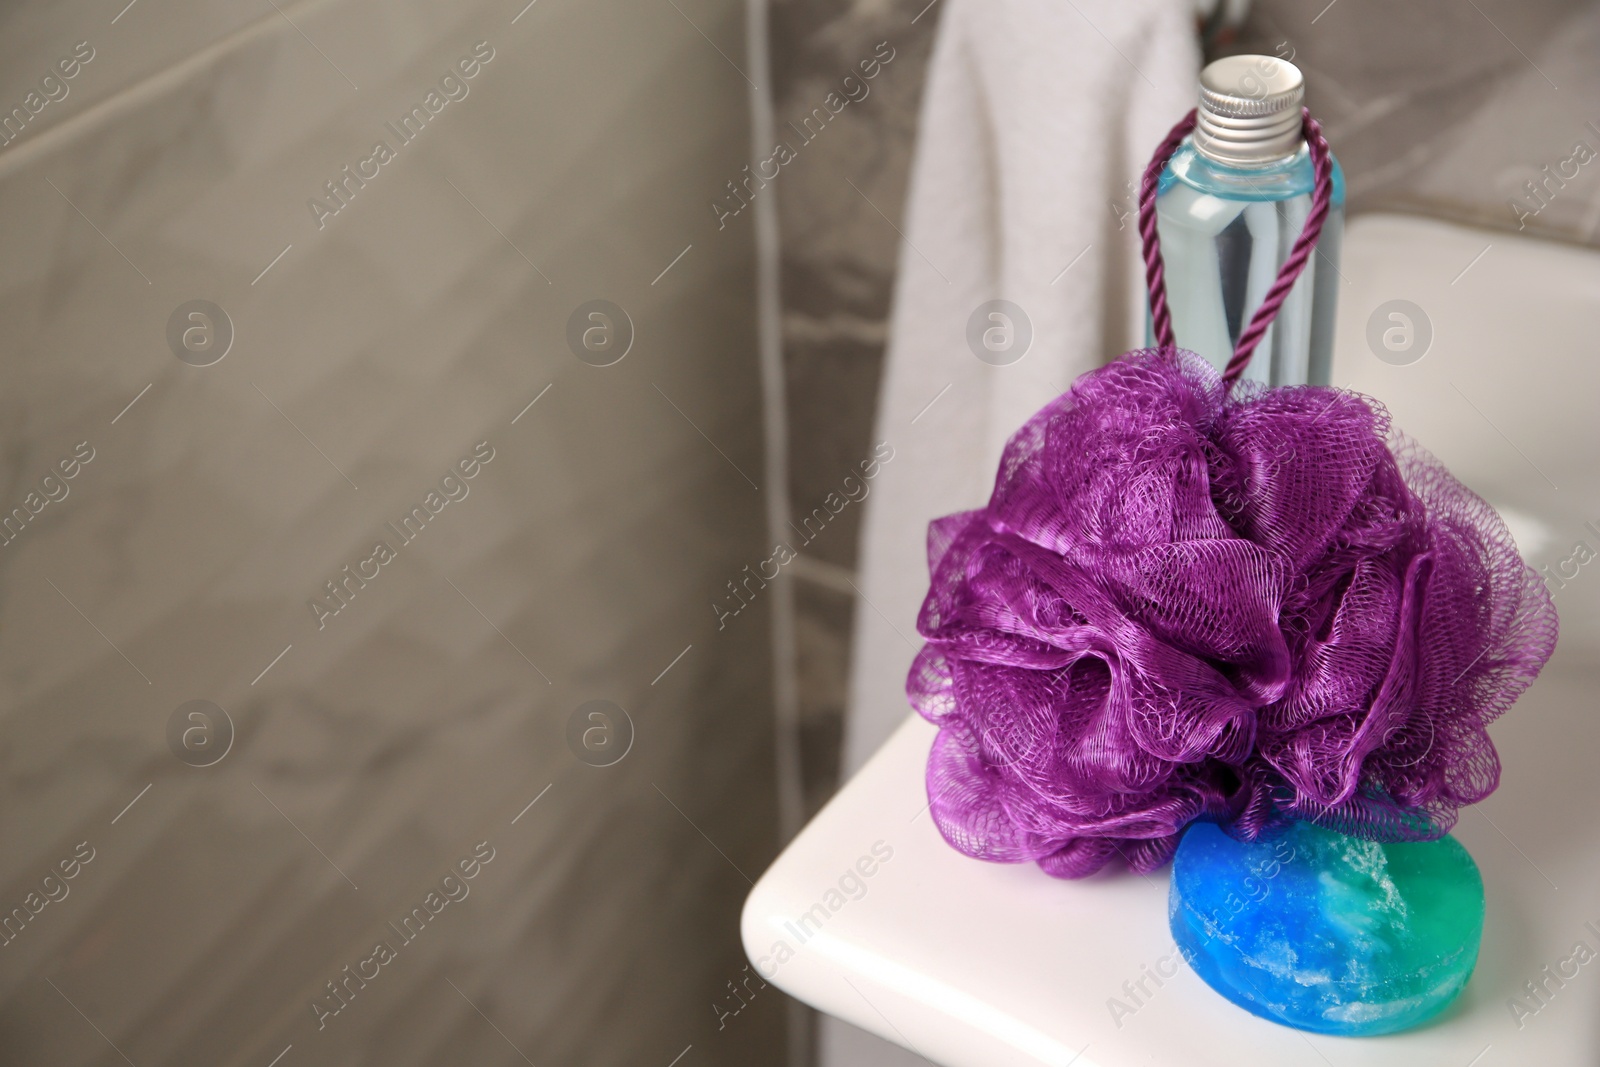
(1182, 604)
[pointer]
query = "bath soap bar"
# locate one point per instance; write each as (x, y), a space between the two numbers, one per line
(1325, 932)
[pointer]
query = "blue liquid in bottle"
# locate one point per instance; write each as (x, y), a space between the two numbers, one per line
(1229, 207)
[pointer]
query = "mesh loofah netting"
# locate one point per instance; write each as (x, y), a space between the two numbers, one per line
(1182, 602)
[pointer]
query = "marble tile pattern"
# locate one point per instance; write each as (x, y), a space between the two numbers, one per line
(1452, 110)
(839, 207)
(373, 351)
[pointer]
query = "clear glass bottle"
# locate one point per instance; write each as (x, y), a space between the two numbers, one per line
(1229, 207)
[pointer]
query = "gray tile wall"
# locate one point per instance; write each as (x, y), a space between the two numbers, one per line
(369, 356)
(840, 202)
(1450, 109)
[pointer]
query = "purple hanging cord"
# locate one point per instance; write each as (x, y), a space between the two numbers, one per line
(1155, 271)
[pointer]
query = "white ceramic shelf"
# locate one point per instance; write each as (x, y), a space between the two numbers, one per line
(973, 964)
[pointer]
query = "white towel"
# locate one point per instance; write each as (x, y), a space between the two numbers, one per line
(1037, 119)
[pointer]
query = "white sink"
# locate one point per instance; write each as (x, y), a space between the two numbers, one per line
(972, 964)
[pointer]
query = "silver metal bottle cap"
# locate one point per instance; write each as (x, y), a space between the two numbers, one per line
(1249, 111)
